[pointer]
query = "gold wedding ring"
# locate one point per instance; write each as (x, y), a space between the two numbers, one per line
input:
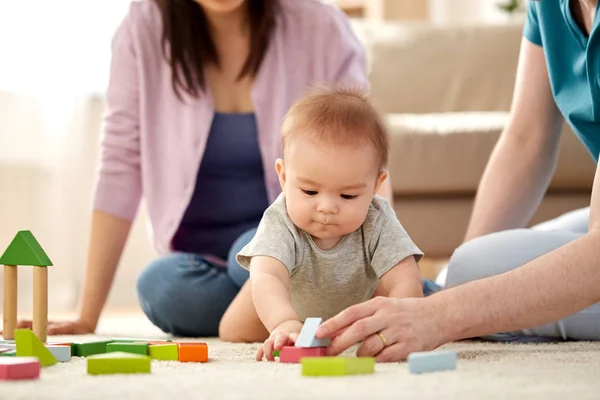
(383, 339)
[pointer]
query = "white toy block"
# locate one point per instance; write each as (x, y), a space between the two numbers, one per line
(62, 353)
(431, 361)
(307, 334)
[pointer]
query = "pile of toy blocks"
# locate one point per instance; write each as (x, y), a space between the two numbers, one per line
(310, 352)
(23, 357)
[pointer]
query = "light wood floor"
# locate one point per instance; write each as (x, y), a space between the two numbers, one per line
(430, 267)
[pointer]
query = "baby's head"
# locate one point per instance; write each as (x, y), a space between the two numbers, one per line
(335, 152)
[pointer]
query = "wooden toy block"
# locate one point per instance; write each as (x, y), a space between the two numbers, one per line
(118, 362)
(135, 348)
(337, 366)
(10, 353)
(28, 345)
(68, 344)
(291, 354)
(193, 351)
(164, 352)
(25, 250)
(11, 346)
(431, 361)
(62, 353)
(275, 353)
(307, 334)
(86, 349)
(19, 368)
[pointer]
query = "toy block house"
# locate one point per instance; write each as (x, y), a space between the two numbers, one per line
(25, 250)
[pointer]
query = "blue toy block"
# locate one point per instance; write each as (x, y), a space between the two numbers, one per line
(431, 361)
(307, 338)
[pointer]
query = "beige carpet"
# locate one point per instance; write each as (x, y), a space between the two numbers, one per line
(485, 371)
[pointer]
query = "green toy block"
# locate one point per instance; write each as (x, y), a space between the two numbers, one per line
(25, 250)
(11, 353)
(134, 348)
(164, 352)
(275, 353)
(28, 345)
(82, 349)
(337, 366)
(118, 362)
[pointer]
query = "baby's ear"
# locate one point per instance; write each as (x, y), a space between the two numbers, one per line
(382, 177)
(280, 168)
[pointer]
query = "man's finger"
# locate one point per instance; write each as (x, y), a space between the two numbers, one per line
(347, 317)
(360, 330)
(394, 353)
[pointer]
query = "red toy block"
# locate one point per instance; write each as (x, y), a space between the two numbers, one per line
(292, 354)
(12, 368)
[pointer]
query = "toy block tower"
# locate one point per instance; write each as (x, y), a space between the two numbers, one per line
(25, 250)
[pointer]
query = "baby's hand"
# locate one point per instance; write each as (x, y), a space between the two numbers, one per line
(284, 335)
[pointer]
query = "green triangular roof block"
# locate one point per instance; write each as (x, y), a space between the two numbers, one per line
(25, 250)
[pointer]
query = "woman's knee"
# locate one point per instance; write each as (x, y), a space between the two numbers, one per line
(184, 296)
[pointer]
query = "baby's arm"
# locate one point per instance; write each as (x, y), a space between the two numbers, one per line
(270, 292)
(403, 280)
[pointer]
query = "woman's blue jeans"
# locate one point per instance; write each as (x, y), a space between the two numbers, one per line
(186, 295)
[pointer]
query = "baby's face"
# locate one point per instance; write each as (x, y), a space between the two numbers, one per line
(328, 190)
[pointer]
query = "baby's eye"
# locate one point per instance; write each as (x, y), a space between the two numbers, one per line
(349, 196)
(310, 192)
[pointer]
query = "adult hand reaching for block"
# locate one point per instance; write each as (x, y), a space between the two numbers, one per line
(76, 327)
(389, 328)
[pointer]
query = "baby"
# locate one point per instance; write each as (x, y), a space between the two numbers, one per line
(328, 241)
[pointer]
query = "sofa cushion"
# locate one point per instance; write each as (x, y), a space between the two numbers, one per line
(446, 153)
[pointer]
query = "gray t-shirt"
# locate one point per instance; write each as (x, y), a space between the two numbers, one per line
(325, 282)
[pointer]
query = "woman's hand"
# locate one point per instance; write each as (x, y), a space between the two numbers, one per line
(285, 334)
(407, 325)
(76, 327)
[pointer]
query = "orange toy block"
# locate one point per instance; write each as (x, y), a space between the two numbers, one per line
(193, 351)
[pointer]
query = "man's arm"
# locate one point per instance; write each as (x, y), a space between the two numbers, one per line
(551, 287)
(522, 163)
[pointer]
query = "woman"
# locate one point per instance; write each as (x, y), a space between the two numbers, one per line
(197, 94)
(533, 284)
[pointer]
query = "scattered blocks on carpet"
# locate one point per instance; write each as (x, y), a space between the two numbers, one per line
(16, 368)
(292, 354)
(118, 362)
(337, 366)
(28, 345)
(307, 334)
(431, 361)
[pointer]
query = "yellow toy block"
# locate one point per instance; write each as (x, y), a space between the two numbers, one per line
(29, 345)
(118, 362)
(337, 366)
(164, 352)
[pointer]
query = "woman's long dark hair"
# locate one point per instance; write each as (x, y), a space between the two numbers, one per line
(187, 44)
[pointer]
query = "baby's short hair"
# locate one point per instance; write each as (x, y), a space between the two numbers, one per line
(338, 115)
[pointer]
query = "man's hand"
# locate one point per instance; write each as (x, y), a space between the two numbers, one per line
(408, 325)
(285, 334)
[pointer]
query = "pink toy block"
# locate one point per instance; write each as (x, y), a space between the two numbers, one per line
(12, 368)
(292, 354)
